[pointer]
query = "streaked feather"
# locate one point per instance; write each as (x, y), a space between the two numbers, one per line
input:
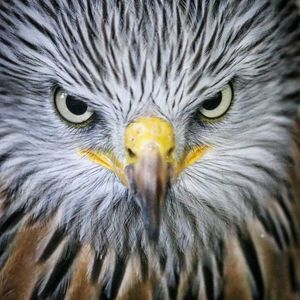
(261, 262)
(230, 230)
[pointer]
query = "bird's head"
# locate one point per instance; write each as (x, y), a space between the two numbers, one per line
(126, 122)
(150, 165)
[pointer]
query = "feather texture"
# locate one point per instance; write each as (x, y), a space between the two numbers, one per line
(69, 229)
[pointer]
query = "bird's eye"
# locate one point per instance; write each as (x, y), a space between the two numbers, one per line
(218, 105)
(71, 109)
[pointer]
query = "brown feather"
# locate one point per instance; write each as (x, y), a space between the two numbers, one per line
(255, 264)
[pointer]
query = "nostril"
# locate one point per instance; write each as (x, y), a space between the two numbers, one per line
(130, 153)
(170, 152)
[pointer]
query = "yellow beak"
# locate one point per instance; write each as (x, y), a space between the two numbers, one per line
(149, 166)
(150, 145)
(149, 133)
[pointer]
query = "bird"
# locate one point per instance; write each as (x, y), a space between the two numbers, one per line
(150, 149)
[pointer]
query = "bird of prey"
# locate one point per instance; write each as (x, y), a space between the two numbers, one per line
(149, 149)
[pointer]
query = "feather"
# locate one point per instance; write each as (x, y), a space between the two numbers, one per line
(230, 224)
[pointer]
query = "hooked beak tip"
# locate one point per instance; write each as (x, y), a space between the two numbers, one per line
(149, 183)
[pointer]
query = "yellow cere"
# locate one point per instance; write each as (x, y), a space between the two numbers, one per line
(149, 131)
(139, 135)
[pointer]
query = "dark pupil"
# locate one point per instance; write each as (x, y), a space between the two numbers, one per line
(75, 106)
(212, 103)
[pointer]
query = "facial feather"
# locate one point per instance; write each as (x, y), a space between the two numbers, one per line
(130, 60)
